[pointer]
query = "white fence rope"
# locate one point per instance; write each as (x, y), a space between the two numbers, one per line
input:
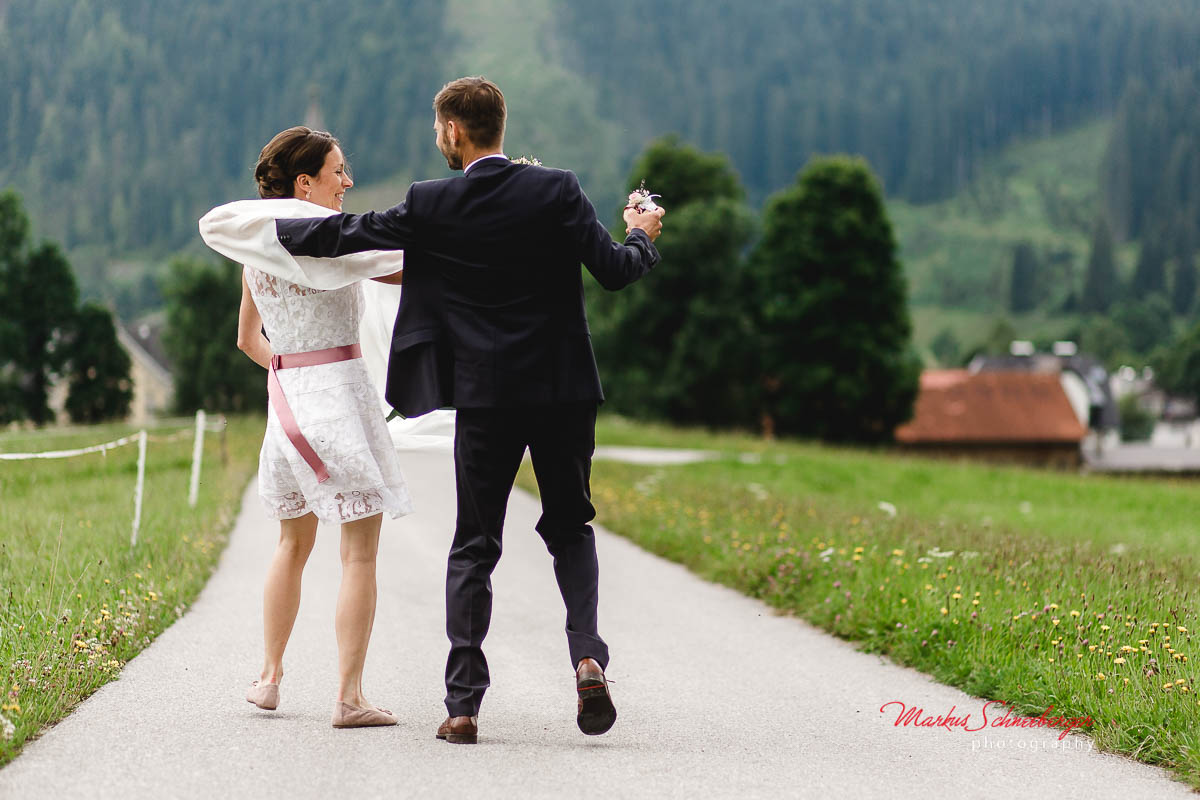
(141, 438)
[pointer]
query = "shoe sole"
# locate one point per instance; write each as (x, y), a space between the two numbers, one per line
(596, 711)
(459, 738)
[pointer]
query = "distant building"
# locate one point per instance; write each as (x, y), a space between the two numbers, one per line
(1013, 417)
(1085, 380)
(153, 386)
(149, 371)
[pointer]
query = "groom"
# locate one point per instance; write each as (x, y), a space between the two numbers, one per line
(492, 322)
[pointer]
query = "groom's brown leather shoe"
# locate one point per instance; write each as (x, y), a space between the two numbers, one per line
(596, 711)
(459, 730)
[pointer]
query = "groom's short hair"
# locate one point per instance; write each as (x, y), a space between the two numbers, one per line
(478, 105)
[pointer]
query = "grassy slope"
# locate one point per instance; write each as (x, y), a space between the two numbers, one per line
(1024, 586)
(553, 113)
(78, 600)
(959, 252)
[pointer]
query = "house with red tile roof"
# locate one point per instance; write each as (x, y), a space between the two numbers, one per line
(1015, 417)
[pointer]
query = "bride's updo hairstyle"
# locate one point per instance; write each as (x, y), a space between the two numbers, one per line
(294, 152)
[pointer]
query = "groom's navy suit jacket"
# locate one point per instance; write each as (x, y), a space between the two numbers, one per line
(492, 312)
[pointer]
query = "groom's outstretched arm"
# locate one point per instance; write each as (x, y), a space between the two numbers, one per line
(615, 265)
(341, 234)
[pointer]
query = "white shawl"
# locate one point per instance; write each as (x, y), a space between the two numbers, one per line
(244, 231)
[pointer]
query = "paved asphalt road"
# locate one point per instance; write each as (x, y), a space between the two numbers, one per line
(716, 695)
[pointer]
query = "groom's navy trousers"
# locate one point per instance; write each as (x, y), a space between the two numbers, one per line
(489, 445)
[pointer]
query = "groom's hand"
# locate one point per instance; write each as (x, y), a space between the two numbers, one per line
(648, 221)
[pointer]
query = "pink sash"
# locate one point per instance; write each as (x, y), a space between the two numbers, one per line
(284, 412)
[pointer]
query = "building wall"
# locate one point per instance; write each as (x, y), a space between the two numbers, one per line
(1065, 456)
(151, 395)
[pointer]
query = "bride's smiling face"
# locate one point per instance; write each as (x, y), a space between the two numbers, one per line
(329, 186)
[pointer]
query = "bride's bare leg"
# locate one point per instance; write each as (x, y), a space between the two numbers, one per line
(281, 594)
(356, 605)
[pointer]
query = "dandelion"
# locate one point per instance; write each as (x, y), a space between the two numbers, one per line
(956, 596)
(945, 611)
(1100, 676)
(1181, 629)
(1074, 613)
(1118, 661)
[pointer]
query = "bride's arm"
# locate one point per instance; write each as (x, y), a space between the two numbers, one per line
(250, 339)
(395, 279)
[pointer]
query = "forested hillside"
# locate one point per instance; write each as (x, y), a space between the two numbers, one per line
(922, 88)
(1151, 183)
(123, 120)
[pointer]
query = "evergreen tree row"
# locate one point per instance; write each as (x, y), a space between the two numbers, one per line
(804, 332)
(45, 336)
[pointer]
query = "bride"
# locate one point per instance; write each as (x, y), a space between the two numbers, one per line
(327, 453)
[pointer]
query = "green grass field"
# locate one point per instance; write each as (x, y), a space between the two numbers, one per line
(1029, 587)
(78, 601)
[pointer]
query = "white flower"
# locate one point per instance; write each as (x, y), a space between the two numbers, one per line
(887, 508)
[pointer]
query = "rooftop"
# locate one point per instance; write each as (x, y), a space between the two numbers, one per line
(956, 406)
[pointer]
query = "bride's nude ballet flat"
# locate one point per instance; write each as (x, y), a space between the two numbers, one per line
(348, 716)
(264, 695)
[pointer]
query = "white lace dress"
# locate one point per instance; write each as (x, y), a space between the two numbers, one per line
(335, 405)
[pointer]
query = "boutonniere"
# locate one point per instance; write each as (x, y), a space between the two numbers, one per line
(530, 160)
(642, 200)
